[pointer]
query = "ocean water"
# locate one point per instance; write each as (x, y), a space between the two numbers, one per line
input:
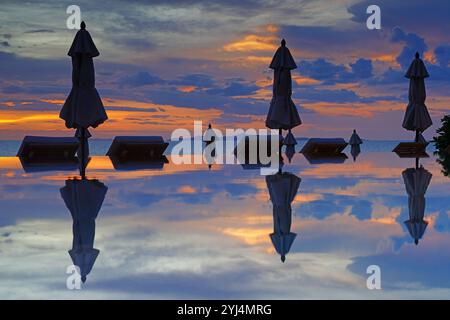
(99, 147)
(190, 231)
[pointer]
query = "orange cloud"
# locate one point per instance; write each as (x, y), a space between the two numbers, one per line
(272, 28)
(258, 59)
(160, 119)
(251, 236)
(363, 110)
(252, 43)
(23, 117)
(390, 58)
(305, 80)
(8, 104)
(187, 189)
(53, 101)
(187, 89)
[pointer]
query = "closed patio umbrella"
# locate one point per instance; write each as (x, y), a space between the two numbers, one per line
(84, 199)
(283, 188)
(355, 139)
(210, 157)
(283, 113)
(83, 107)
(417, 117)
(416, 182)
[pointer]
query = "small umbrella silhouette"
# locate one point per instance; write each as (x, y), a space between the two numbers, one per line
(416, 182)
(283, 188)
(84, 199)
(355, 142)
(210, 158)
(283, 113)
(417, 117)
(83, 107)
(355, 139)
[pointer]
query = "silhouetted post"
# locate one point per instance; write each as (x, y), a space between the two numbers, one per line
(83, 153)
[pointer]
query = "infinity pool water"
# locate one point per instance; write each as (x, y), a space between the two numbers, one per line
(192, 232)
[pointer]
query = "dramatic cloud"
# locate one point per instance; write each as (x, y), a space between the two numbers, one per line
(442, 54)
(208, 56)
(413, 43)
(141, 78)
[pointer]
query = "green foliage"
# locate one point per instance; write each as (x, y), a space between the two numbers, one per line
(442, 142)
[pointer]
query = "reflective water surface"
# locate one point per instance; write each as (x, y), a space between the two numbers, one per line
(189, 232)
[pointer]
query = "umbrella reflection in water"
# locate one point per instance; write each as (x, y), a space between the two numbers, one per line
(283, 188)
(84, 198)
(416, 182)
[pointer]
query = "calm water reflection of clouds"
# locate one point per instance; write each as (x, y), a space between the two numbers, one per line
(187, 232)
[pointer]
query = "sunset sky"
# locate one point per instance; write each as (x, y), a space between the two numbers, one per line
(164, 64)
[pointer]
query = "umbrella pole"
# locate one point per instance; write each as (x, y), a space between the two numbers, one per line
(83, 144)
(417, 163)
(417, 136)
(280, 144)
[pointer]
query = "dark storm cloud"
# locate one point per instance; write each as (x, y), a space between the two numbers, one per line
(431, 15)
(413, 43)
(234, 87)
(442, 54)
(321, 69)
(241, 7)
(39, 90)
(139, 79)
(40, 31)
(197, 80)
(20, 68)
(362, 68)
(395, 268)
(186, 284)
(329, 40)
(330, 73)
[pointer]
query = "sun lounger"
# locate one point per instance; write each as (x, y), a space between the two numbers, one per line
(411, 150)
(41, 149)
(324, 146)
(137, 148)
(48, 154)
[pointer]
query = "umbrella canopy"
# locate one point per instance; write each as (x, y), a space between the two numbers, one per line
(416, 182)
(283, 113)
(417, 117)
(83, 198)
(83, 107)
(283, 188)
(355, 139)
